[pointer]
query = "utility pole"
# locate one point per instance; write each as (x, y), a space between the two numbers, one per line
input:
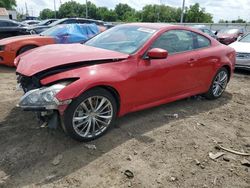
(182, 10)
(55, 7)
(86, 8)
(26, 7)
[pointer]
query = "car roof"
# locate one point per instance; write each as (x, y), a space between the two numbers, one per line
(160, 26)
(156, 26)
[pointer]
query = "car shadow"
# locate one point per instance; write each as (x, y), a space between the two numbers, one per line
(27, 149)
(6, 69)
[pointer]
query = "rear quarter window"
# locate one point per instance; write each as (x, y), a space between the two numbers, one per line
(202, 42)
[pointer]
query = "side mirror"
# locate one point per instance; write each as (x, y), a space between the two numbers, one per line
(157, 53)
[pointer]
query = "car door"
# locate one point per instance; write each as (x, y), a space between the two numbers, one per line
(162, 78)
(203, 68)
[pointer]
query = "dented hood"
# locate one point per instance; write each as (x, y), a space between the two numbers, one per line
(58, 55)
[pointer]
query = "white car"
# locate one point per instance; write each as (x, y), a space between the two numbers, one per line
(242, 48)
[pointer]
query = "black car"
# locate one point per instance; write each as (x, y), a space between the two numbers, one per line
(38, 29)
(46, 22)
(205, 30)
(10, 28)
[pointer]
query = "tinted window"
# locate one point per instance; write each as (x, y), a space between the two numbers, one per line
(69, 22)
(83, 21)
(175, 41)
(202, 42)
(4, 24)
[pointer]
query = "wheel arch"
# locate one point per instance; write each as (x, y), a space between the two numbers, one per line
(229, 70)
(113, 92)
(26, 45)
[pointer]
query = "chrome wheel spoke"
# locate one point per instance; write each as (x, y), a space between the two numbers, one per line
(80, 118)
(93, 116)
(100, 104)
(220, 83)
(104, 117)
(100, 121)
(88, 128)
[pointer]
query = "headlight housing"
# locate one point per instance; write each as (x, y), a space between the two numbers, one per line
(43, 97)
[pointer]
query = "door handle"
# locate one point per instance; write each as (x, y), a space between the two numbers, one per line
(191, 60)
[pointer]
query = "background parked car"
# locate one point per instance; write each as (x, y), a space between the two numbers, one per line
(206, 30)
(61, 34)
(229, 35)
(9, 28)
(30, 22)
(38, 29)
(242, 48)
(46, 22)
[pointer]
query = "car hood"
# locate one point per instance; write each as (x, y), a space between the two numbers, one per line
(241, 46)
(9, 40)
(58, 55)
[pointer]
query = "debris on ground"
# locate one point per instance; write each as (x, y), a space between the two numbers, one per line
(129, 184)
(44, 125)
(90, 146)
(228, 158)
(56, 161)
(129, 174)
(171, 115)
(3, 177)
(232, 151)
(135, 152)
(129, 158)
(216, 155)
(245, 162)
(173, 178)
(197, 162)
(200, 124)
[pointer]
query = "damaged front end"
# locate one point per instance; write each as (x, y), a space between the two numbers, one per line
(42, 99)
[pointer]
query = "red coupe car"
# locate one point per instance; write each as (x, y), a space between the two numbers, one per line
(127, 68)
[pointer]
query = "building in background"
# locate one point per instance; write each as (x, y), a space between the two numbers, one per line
(8, 14)
(4, 14)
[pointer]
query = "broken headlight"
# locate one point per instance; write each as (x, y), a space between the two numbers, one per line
(43, 97)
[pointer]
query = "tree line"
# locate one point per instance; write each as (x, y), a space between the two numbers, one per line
(125, 13)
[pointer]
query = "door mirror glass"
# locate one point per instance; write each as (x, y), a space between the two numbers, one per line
(157, 53)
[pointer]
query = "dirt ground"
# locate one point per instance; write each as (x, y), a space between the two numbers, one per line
(151, 147)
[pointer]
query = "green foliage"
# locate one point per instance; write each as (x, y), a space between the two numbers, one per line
(196, 14)
(71, 9)
(160, 13)
(239, 20)
(47, 14)
(124, 13)
(8, 4)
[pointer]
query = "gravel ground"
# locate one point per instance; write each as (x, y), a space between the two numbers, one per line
(150, 148)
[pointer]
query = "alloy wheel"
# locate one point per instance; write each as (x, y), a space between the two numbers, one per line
(220, 83)
(93, 116)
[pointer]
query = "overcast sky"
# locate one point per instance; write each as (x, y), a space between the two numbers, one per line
(220, 9)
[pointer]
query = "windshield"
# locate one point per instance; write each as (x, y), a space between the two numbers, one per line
(124, 38)
(246, 38)
(56, 22)
(43, 22)
(229, 31)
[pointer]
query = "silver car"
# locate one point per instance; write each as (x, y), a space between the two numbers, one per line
(242, 48)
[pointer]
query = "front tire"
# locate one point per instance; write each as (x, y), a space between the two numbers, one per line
(219, 84)
(91, 115)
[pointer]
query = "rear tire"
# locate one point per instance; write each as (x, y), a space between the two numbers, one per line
(218, 85)
(26, 48)
(90, 115)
